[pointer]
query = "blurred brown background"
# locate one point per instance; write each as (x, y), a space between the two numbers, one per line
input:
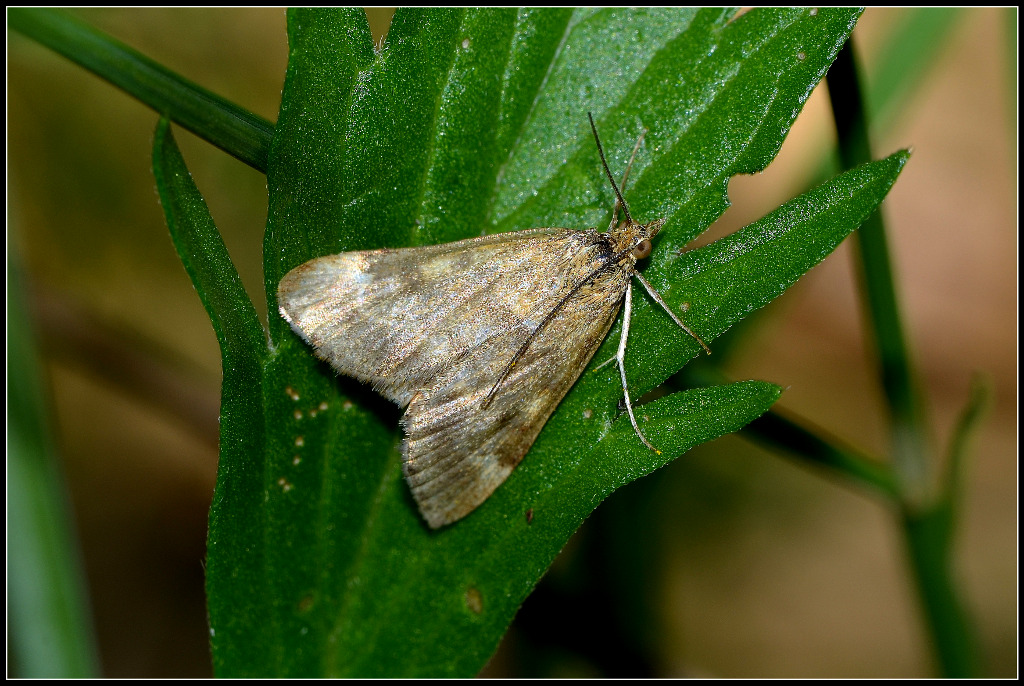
(774, 572)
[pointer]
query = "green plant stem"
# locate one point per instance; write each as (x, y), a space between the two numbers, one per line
(224, 124)
(930, 538)
(810, 447)
(927, 516)
(786, 434)
(904, 60)
(909, 454)
(49, 622)
(929, 546)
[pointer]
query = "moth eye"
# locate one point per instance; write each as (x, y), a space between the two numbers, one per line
(642, 249)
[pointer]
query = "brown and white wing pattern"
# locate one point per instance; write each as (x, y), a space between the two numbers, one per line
(436, 328)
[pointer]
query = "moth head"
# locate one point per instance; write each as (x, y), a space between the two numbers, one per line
(643, 235)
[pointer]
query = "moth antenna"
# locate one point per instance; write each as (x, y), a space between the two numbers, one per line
(604, 163)
(632, 156)
(625, 177)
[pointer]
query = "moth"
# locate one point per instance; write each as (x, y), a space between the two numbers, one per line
(479, 339)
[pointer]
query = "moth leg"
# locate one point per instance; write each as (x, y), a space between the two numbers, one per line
(620, 357)
(677, 320)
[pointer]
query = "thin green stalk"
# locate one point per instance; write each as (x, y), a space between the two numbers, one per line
(929, 545)
(927, 515)
(49, 622)
(224, 124)
(909, 53)
(812, 447)
(809, 447)
(930, 539)
(909, 454)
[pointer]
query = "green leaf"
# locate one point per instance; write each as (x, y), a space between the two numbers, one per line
(467, 122)
(243, 351)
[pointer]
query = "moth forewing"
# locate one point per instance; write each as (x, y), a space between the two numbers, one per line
(392, 317)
